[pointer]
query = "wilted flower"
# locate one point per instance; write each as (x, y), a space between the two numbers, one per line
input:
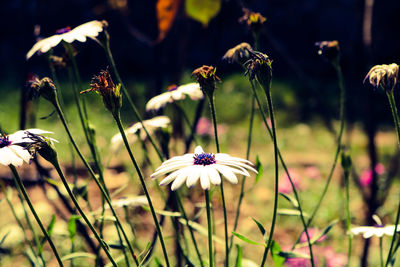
(259, 65)
(239, 53)
(111, 94)
(253, 20)
(328, 49)
(175, 93)
(206, 77)
(14, 148)
(384, 76)
(89, 29)
(44, 87)
(137, 129)
(204, 166)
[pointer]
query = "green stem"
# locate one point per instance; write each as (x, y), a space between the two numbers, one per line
(285, 168)
(110, 58)
(267, 92)
(78, 207)
(348, 218)
(21, 186)
(178, 198)
(141, 178)
(104, 193)
(241, 196)
(212, 107)
(210, 232)
(380, 251)
(396, 119)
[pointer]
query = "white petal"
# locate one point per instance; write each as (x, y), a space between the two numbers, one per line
(169, 178)
(194, 175)
(159, 101)
(215, 178)
(180, 179)
(198, 150)
(204, 179)
(44, 45)
(7, 157)
(21, 153)
(227, 173)
(163, 170)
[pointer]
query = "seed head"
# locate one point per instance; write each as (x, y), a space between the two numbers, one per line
(384, 76)
(239, 53)
(206, 77)
(329, 50)
(110, 93)
(259, 66)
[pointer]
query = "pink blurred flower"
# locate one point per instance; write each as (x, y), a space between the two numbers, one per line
(205, 127)
(312, 232)
(366, 176)
(301, 262)
(284, 184)
(334, 259)
(313, 172)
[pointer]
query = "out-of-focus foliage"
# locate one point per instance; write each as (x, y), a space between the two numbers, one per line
(202, 10)
(166, 13)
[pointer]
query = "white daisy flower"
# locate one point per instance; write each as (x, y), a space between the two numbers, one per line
(204, 166)
(379, 231)
(175, 93)
(13, 147)
(89, 29)
(131, 133)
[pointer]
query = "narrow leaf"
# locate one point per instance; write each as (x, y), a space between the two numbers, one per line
(262, 229)
(72, 227)
(202, 230)
(290, 199)
(291, 212)
(275, 250)
(164, 212)
(239, 256)
(259, 169)
(4, 238)
(247, 240)
(292, 254)
(78, 255)
(324, 232)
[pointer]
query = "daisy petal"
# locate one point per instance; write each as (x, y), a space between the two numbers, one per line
(193, 176)
(204, 179)
(227, 173)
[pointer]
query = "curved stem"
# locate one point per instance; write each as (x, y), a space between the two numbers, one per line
(271, 114)
(210, 231)
(91, 172)
(85, 218)
(285, 168)
(21, 186)
(348, 218)
(141, 178)
(212, 108)
(396, 119)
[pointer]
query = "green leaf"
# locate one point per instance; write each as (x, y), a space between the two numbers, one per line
(292, 254)
(4, 238)
(202, 10)
(49, 231)
(239, 256)
(260, 170)
(72, 226)
(324, 232)
(262, 229)
(164, 212)
(247, 240)
(202, 230)
(117, 246)
(145, 253)
(78, 255)
(275, 250)
(291, 212)
(291, 200)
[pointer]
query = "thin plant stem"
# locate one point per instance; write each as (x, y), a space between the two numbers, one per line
(21, 186)
(141, 178)
(196, 119)
(210, 231)
(396, 119)
(212, 108)
(285, 168)
(91, 172)
(178, 198)
(241, 196)
(381, 251)
(85, 218)
(348, 218)
(110, 59)
(271, 114)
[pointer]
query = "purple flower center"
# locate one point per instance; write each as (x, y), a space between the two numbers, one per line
(172, 87)
(63, 30)
(4, 141)
(204, 159)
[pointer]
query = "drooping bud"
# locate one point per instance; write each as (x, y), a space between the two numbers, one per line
(259, 66)
(110, 93)
(206, 77)
(329, 50)
(239, 53)
(253, 20)
(44, 87)
(44, 146)
(384, 76)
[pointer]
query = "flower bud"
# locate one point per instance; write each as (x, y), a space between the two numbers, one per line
(259, 66)
(253, 20)
(44, 87)
(239, 53)
(329, 50)
(206, 77)
(44, 146)
(110, 93)
(384, 76)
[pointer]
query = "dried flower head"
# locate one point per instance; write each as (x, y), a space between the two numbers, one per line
(328, 49)
(239, 53)
(110, 93)
(253, 20)
(259, 66)
(384, 76)
(44, 87)
(206, 77)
